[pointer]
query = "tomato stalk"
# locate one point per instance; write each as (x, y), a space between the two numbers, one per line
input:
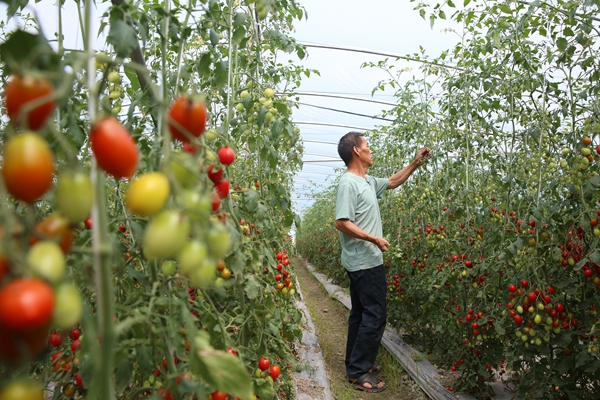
(180, 55)
(103, 385)
(164, 94)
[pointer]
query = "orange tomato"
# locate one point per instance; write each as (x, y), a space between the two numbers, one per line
(28, 169)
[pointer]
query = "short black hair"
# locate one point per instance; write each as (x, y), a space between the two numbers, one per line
(346, 145)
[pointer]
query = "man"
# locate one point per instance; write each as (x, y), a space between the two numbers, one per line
(359, 223)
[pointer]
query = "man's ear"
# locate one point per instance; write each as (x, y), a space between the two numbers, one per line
(355, 150)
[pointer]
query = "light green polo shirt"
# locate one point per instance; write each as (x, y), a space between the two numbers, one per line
(356, 200)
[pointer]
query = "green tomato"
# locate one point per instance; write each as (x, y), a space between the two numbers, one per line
(168, 267)
(192, 256)
(69, 306)
(74, 196)
(219, 241)
(166, 234)
(197, 206)
(211, 134)
(184, 169)
(205, 274)
(47, 261)
(114, 77)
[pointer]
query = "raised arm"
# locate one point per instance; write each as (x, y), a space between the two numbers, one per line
(401, 176)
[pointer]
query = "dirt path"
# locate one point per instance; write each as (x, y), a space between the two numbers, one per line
(330, 318)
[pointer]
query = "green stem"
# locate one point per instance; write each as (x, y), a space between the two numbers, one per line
(101, 247)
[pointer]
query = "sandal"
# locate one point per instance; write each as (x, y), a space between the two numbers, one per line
(358, 384)
(376, 369)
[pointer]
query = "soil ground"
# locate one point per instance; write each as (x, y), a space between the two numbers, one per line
(330, 318)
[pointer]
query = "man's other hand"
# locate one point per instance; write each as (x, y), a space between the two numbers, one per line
(382, 244)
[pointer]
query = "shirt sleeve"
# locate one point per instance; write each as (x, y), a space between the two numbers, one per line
(345, 202)
(381, 185)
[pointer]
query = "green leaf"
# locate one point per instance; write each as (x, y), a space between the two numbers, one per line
(251, 198)
(122, 37)
(562, 43)
(260, 120)
(466, 3)
(252, 287)
(239, 34)
(264, 389)
(214, 37)
(123, 372)
(23, 50)
(217, 367)
(14, 5)
(204, 64)
(442, 14)
(133, 78)
(239, 19)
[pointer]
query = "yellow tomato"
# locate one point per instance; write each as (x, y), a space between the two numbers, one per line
(148, 194)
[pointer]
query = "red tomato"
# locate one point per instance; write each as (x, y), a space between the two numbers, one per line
(190, 148)
(275, 371)
(56, 339)
(215, 177)
(54, 226)
(187, 118)
(26, 304)
(222, 188)
(122, 228)
(74, 334)
(226, 155)
(264, 364)
(88, 223)
(216, 202)
(78, 380)
(232, 351)
(28, 169)
(216, 395)
(512, 288)
(524, 283)
(114, 148)
(22, 90)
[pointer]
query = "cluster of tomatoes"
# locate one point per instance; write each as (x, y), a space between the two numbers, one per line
(283, 276)
(33, 293)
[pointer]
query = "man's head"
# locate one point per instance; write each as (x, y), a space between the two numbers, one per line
(354, 144)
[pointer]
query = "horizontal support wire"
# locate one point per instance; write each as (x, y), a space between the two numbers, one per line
(362, 128)
(341, 96)
(347, 112)
(378, 53)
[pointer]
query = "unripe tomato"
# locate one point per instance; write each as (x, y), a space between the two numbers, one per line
(219, 241)
(69, 306)
(184, 169)
(56, 227)
(22, 90)
(197, 206)
(74, 196)
(168, 267)
(166, 234)
(28, 169)
(226, 155)
(148, 194)
(187, 118)
(114, 77)
(46, 260)
(191, 256)
(26, 304)
(114, 148)
(204, 275)
(23, 389)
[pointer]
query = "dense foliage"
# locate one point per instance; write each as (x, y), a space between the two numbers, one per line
(495, 264)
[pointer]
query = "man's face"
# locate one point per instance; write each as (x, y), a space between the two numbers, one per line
(364, 152)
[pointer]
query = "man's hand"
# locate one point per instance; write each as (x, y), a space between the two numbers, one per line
(381, 243)
(423, 155)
